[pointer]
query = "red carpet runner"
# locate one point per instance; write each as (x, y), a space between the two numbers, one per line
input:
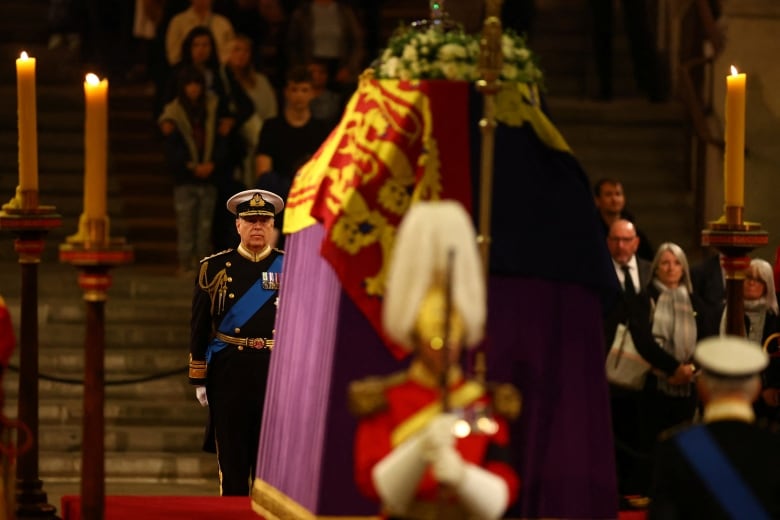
(191, 508)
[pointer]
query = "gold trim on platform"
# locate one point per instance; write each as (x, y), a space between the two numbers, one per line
(272, 504)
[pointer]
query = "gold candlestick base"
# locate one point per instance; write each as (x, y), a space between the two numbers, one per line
(92, 233)
(732, 220)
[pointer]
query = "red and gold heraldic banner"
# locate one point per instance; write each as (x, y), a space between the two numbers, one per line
(398, 142)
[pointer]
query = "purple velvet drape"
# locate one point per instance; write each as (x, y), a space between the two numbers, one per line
(546, 337)
(296, 405)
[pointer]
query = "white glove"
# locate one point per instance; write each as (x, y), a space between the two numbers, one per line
(440, 433)
(397, 475)
(447, 465)
(200, 394)
(484, 494)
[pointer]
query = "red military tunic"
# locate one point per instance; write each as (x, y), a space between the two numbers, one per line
(380, 432)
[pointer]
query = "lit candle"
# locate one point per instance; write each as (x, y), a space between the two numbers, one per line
(28, 136)
(734, 162)
(95, 146)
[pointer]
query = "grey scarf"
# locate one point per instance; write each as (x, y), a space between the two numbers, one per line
(674, 329)
(756, 312)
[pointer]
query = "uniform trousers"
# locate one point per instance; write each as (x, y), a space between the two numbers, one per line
(236, 393)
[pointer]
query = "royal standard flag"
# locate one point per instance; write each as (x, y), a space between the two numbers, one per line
(392, 147)
(403, 141)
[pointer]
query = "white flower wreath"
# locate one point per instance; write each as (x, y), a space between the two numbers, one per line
(431, 53)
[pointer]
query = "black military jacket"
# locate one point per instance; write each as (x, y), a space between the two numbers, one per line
(223, 278)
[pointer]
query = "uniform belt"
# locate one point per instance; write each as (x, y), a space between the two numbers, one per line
(253, 343)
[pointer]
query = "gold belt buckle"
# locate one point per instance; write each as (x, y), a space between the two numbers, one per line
(256, 343)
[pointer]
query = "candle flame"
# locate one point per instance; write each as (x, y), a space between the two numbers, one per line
(23, 55)
(733, 70)
(92, 79)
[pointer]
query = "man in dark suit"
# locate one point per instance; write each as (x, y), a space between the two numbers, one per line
(742, 458)
(633, 309)
(709, 283)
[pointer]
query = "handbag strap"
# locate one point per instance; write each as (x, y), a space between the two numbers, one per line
(719, 476)
(622, 342)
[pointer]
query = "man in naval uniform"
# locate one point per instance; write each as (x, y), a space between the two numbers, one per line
(726, 467)
(233, 314)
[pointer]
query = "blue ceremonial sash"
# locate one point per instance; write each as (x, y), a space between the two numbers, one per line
(719, 476)
(246, 307)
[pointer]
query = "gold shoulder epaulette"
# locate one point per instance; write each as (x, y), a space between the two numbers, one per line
(279, 250)
(206, 258)
(507, 400)
(367, 396)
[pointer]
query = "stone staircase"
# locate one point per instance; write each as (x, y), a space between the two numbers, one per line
(643, 144)
(154, 425)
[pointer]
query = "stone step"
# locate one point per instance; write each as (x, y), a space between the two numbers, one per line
(173, 387)
(127, 439)
(160, 466)
(54, 140)
(136, 282)
(120, 364)
(163, 335)
(146, 412)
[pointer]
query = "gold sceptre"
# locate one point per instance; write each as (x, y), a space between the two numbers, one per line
(491, 61)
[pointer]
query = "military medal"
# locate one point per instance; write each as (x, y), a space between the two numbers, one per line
(271, 281)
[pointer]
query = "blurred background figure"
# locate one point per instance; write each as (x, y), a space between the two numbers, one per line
(287, 141)
(327, 30)
(256, 87)
(637, 23)
(709, 284)
(199, 14)
(147, 15)
(610, 199)
(194, 152)
(326, 104)
(66, 23)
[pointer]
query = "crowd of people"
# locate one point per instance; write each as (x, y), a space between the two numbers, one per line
(230, 122)
(669, 307)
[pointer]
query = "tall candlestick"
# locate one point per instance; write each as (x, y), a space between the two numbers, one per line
(734, 162)
(95, 147)
(28, 135)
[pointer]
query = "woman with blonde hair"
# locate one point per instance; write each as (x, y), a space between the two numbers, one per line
(673, 322)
